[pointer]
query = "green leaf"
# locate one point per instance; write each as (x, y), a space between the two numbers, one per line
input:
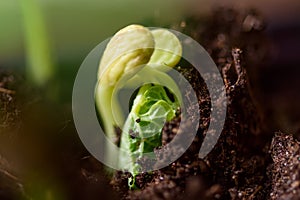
(142, 131)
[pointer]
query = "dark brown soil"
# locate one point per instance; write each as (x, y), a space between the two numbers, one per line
(8, 108)
(285, 168)
(241, 165)
(10, 185)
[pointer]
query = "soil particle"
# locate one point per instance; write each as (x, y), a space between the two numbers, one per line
(8, 109)
(285, 170)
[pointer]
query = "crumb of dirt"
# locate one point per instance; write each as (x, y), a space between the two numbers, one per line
(285, 170)
(8, 110)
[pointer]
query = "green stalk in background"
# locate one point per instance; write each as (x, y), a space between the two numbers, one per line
(40, 66)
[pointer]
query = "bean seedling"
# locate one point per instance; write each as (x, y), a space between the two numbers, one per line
(136, 56)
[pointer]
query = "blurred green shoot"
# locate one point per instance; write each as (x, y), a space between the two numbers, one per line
(40, 65)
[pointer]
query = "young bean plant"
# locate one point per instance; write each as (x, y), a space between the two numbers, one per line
(136, 56)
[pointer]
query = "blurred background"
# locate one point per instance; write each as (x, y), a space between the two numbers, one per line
(66, 31)
(42, 45)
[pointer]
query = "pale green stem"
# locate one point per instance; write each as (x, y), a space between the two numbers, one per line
(103, 98)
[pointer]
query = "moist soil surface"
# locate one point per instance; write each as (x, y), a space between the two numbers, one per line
(249, 161)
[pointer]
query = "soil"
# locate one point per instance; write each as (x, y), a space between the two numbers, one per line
(249, 161)
(244, 164)
(8, 109)
(10, 185)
